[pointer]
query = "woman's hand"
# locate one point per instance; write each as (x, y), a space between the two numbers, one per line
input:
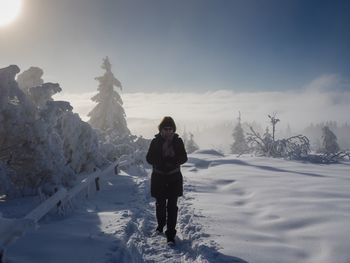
(168, 149)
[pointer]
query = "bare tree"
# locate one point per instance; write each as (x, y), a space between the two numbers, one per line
(273, 121)
(294, 147)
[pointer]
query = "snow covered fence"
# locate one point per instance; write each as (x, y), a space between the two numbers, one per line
(41, 210)
(63, 196)
(10, 229)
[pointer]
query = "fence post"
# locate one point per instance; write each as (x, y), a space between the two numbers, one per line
(59, 202)
(116, 169)
(97, 183)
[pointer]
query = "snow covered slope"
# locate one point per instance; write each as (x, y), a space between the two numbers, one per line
(271, 210)
(239, 210)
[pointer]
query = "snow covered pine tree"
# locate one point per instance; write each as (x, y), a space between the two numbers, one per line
(191, 145)
(108, 115)
(239, 145)
(329, 141)
(109, 120)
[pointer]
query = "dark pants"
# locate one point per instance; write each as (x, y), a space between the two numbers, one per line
(166, 211)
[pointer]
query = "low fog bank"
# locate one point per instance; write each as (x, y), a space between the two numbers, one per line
(211, 116)
(218, 136)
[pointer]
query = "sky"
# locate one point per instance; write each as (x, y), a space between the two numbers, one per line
(185, 45)
(198, 61)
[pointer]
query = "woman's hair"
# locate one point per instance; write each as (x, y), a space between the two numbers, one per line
(167, 122)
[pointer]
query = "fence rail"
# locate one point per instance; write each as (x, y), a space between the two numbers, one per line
(11, 229)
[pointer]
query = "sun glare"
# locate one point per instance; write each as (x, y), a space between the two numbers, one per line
(9, 10)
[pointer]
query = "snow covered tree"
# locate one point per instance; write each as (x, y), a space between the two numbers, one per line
(43, 144)
(191, 145)
(40, 95)
(239, 145)
(268, 141)
(329, 141)
(28, 146)
(30, 78)
(79, 142)
(109, 115)
(109, 119)
(32, 84)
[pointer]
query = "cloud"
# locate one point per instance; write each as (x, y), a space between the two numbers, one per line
(316, 102)
(325, 83)
(81, 103)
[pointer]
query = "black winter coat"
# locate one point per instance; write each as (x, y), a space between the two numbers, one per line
(165, 185)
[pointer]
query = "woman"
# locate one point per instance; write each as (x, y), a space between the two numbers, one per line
(166, 153)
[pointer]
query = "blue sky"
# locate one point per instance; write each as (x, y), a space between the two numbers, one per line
(182, 45)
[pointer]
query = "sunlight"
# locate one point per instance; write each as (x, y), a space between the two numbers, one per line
(9, 10)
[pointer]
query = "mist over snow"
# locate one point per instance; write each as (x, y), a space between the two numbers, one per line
(210, 116)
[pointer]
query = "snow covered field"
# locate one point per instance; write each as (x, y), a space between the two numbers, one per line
(246, 209)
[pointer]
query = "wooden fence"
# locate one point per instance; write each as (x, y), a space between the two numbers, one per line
(11, 229)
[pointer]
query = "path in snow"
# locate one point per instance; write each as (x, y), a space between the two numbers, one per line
(193, 245)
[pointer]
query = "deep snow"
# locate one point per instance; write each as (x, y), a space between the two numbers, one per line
(245, 209)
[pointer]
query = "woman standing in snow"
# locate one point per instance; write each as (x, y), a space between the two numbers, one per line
(166, 153)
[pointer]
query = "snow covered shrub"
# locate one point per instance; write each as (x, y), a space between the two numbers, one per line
(79, 141)
(80, 144)
(112, 146)
(142, 144)
(295, 147)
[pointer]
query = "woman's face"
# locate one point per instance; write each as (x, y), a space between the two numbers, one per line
(167, 132)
